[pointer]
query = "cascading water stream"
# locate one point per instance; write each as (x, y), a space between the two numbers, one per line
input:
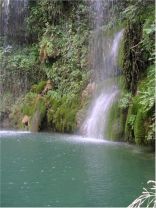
(97, 120)
(103, 53)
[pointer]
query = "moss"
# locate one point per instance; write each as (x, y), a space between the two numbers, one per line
(137, 122)
(61, 113)
(65, 119)
(27, 106)
(110, 122)
(115, 125)
(139, 129)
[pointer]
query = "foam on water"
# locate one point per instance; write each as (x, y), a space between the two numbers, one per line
(12, 132)
(81, 139)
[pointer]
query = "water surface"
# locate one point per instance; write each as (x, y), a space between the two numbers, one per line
(46, 169)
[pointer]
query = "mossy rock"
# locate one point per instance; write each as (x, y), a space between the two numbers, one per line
(115, 125)
(129, 126)
(139, 129)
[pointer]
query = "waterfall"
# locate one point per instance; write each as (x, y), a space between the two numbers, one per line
(6, 15)
(13, 35)
(12, 21)
(103, 64)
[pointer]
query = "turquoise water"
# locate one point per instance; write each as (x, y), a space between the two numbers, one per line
(46, 169)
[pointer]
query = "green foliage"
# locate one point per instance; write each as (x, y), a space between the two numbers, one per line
(136, 57)
(137, 52)
(38, 88)
(130, 12)
(129, 133)
(67, 56)
(23, 106)
(41, 107)
(148, 41)
(147, 90)
(125, 100)
(19, 67)
(130, 120)
(20, 58)
(52, 13)
(137, 10)
(31, 105)
(150, 137)
(27, 105)
(60, 52)
(139, 125)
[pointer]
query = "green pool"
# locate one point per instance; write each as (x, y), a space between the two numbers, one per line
(46, 169)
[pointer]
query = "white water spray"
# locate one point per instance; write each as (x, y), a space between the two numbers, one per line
(96, 122)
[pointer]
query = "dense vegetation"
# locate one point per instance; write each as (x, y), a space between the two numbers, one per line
(56, 50)
(139, 72)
